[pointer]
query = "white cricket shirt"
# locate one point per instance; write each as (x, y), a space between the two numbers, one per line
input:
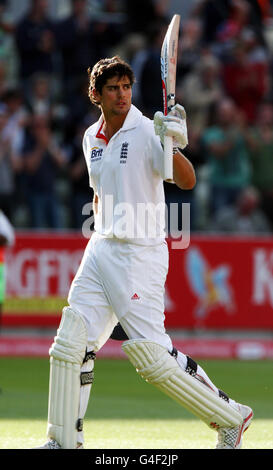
(127, 175)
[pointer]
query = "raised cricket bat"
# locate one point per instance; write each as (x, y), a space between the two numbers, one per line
(168, 76)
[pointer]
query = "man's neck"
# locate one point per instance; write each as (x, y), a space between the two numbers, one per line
(112, 124)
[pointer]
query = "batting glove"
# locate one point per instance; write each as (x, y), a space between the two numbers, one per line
(173, 125)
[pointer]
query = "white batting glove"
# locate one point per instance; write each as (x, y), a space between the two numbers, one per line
(173, 125)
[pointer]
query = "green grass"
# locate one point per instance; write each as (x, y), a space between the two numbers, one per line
(125, 412)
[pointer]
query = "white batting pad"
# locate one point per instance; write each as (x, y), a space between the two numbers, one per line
(155, 364)
(67, 353)
(71, 340)
(64, 397)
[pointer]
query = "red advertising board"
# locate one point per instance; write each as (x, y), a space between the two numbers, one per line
(221, 283)
(40, 268)
(217, 282)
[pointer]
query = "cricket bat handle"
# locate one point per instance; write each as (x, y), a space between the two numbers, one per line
(168, 158)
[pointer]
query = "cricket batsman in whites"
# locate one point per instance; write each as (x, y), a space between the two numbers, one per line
(122, 274)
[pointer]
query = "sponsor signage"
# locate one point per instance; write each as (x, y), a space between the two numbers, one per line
(216, 283)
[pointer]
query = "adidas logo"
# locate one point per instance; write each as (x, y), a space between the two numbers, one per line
(135, 297)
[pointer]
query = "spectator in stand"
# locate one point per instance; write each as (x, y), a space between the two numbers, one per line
(76, 111)
(43, 158)
(255, 50)
(35, 39)
(235, 22)
(189, 47)
(244, 217)
(242, 14)
(8, 51)
(212, 13)
(223, 20)
(81, 193)
(260, 144)
(226, 156)
(201, 91)
(81, 41)
(10, 164)
(110, 26)
(141, 15)
(17, 118)
(146, 66)
(7, 237)
(77, 43)
(245, 78)
(42, 101)
(3, 80)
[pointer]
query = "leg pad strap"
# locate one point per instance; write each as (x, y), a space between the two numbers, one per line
(156, 365)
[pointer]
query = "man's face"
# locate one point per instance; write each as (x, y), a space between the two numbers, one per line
(116, 96)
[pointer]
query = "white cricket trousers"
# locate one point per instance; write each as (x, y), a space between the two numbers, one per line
(118, 281)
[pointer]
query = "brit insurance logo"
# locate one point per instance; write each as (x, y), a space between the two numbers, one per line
(96, 154)
(124, 152)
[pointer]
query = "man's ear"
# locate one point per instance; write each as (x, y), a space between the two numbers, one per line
(96, 95)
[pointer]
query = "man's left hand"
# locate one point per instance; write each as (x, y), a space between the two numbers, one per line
(173, 125)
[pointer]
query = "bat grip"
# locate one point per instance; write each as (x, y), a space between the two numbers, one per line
(168, 158)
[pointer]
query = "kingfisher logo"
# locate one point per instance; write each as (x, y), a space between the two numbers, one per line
(96, 154)
(211, 285)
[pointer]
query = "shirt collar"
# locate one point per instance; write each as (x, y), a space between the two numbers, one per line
(132, 119)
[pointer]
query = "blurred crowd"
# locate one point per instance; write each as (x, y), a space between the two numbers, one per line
(225, 62)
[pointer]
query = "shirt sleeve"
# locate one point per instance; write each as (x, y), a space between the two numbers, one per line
(6, 229)
(85, 152)
(84, 146)
(156, 154)
(157, 157)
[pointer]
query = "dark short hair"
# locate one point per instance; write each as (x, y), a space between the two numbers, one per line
(105, 69)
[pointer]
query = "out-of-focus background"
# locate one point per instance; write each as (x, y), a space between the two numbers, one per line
(219, 291)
